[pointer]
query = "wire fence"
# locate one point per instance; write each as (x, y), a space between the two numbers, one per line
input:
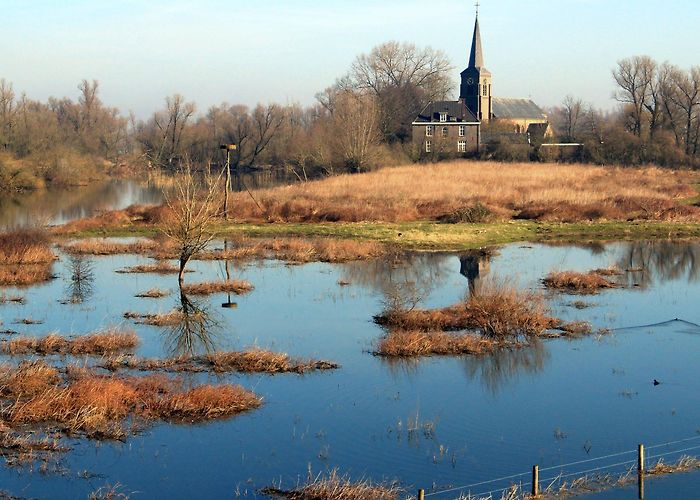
(565, 471)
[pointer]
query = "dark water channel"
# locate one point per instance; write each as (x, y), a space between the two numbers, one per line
(475, 419)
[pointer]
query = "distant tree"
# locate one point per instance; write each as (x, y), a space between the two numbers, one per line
(635, 78)
(163, 135)
(355, 130)
(403, 78)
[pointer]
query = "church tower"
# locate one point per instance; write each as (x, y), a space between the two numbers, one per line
(475, 89)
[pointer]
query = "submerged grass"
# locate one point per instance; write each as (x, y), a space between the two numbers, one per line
(250, 361)
(157, 268)
(333, 486)
(153, 293)
(239, 287)
(98, 344)
(402, 343)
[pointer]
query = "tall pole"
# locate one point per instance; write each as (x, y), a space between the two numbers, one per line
(227, 187)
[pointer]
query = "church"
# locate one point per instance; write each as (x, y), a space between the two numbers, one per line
(455, 127)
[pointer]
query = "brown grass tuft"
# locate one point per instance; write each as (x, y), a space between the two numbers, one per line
(336, 487)
(17, 299)
(251, 361)
(109, 247)
(496, 310)
(401, 343)
(575, 282)
(99, 344)
(239, 287)
(102, 406)
(158, 268)
(25, 246)
(25, 274)
(171, 318)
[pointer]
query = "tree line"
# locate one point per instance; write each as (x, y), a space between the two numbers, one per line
(360, 122)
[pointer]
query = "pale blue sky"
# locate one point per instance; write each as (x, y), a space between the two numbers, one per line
(286, 50)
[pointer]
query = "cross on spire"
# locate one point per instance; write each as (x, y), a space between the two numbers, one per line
(477, 7)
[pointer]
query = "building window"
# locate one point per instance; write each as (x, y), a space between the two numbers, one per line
(462, 130)
(443, 117)
(429, 130)
(428, 146)
(486, 90)
(462, 147)
(445, 131)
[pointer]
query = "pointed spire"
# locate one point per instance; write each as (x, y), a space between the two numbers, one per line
(476, 57)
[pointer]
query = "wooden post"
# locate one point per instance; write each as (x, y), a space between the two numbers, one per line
(535, 480)
(421, 494)
(640, 471)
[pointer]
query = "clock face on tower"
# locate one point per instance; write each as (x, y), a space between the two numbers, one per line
(470, 81)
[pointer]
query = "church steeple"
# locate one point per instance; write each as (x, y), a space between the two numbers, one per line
(475, 89)
(476, 57)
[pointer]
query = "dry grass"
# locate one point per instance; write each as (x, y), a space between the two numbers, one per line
(251, 361)
(97, 344)
(171, 318)
(135, 215)
(336, 487)
(109, 247)
(25, 274)
(576, 282)
(401, 343)
(239, 287)
(109, 406)
(21, 449)
(298, 250)
(17, 299)
(495, 310)
(25, 246)
(157, 268)
(507, 190)
(109, 492)
(153, 293)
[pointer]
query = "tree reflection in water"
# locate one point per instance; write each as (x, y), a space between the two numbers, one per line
(82, 279)
(649, 261)
(499, 368)
(196, 331)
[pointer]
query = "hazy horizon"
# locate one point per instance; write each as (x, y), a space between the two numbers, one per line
(286, 51)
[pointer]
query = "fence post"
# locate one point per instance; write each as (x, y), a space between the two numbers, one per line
(535, 480)
(640, 459)
(421, 494)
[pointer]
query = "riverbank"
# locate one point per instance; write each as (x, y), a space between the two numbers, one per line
(423, 235)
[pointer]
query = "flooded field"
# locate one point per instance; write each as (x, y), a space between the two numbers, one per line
(435, 422)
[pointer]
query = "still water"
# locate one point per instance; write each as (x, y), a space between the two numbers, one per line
(61, 205)
(559, 402)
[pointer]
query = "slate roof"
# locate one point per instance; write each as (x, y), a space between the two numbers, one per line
(513, 108)
(456, 112)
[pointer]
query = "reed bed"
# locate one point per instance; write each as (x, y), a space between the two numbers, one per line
(95, 344)
(17, 299)
(133, 215)
(590, 282)
(111, 407)
(565, 193)
(333, 486)
(250, 361)
(238, 287)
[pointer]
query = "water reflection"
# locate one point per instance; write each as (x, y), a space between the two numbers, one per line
(82, 279)
(195, 332)
(474, 266)
(403, 278)
(650, 261)
(498, 369)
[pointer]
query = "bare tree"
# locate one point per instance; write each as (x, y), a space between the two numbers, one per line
(402, 77)
(195, 209)
(355, 129)
(573, 113)
(634, 76)
(683, 92)
(7, 113)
